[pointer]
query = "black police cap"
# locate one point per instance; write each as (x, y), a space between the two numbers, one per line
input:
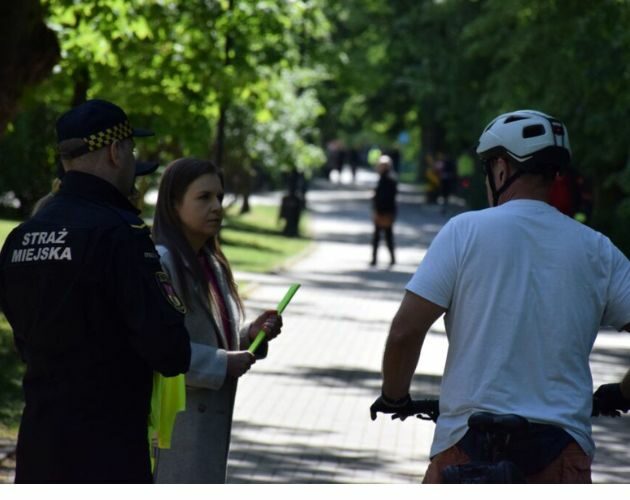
(99, 123)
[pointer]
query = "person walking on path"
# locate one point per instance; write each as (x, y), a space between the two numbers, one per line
(524, 290)
(92, 314)
(187, 222)
(384, 208)
(447, 172)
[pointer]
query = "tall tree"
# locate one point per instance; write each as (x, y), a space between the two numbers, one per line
(184, 68)
(29, 52)
(451, 65)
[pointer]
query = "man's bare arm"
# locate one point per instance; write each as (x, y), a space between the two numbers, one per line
(406, 336)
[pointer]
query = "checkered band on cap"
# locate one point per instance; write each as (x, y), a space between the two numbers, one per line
(105, 137)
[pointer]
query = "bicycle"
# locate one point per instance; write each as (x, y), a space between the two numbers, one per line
(498, 431)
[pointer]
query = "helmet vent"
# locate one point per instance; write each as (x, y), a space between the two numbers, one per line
(533, 131)
(514, 118)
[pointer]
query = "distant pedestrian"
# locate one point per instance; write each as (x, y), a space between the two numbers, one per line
(92, 313)
(447, 172)
(188, 217)
(384, 208)
(354, 159)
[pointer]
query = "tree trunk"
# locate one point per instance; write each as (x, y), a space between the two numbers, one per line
(81, 86)
(433, 134)
(29, 52)
(245, 208)
(220, 141)
(219, 145)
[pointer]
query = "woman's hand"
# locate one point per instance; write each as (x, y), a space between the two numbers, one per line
(270, 322)
(239, 362)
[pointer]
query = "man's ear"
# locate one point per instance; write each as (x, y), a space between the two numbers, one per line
(114, 152)
(504, 169)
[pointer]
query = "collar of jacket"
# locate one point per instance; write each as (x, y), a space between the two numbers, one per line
(94, 188)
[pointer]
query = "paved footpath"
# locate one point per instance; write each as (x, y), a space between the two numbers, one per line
(302, 414)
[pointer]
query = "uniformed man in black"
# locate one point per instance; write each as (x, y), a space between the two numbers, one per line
(92, 313)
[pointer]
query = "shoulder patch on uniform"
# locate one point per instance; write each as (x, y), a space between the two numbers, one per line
(130, 218)
(164, 282)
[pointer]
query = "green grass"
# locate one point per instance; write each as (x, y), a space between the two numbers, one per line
(5, 228)
(252, 242)
(11, 371)
(11, 368)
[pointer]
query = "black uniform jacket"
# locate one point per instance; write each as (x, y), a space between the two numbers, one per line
(93, 316)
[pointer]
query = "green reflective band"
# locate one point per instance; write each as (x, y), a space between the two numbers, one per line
(281, 307)
(167, 400)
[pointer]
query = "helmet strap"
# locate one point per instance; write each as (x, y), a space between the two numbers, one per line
(496, 193)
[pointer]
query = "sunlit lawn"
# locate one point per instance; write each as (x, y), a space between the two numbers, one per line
(252, 242)
(11, 370)
(5, 228)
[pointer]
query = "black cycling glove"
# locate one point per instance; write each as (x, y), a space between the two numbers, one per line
(609, 401)
(386, 405)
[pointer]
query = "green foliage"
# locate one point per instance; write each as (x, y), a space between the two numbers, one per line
(291, 75)
(174, 66)
(27, 162)
(570, 60)
(284, 134)
(11, 372)
(443, 69)
(6, 226)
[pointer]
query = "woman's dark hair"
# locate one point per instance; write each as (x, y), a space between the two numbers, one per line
(167, 226)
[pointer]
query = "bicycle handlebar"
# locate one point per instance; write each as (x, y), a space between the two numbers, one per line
(599, 412)
(429, 409)
(424, 409)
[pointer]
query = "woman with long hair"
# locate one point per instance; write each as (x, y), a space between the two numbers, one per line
(188, 217)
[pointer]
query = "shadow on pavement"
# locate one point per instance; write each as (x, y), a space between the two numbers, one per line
(291, 458)
(611, 463)
(343, 377)
(303, 463)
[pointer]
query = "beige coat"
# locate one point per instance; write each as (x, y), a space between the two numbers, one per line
(201, 436)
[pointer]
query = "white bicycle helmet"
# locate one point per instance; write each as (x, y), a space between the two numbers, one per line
(535, 141)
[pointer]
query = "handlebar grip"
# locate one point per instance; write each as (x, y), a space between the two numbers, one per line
(425, 409)
(598, 411)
